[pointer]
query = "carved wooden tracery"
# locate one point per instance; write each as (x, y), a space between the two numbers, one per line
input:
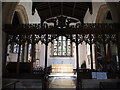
(102, 33)
(89, 33)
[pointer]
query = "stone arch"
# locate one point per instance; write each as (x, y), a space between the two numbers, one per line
(9, 9)
(8, 12)
(102, 12)
(115, 11)
(22, 14)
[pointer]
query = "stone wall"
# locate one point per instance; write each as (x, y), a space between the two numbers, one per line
(91, 18)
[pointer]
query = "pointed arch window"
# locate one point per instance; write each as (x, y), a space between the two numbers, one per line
(62, 47)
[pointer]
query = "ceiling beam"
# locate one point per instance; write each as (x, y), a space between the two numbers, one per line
(89, 29)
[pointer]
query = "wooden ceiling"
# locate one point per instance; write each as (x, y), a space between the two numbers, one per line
(47, 10)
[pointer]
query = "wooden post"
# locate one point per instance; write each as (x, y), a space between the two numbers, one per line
(46, 47)
(27, 50)
(18, 59)
(91, 53)
(118, 49)
(71, 45)
(44, 81)
(77, 57)
(96, 62)
(77, 64)
(33, 52)
(23, 52)
(104, 46)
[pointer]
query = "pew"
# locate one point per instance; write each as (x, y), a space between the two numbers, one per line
(25, 67)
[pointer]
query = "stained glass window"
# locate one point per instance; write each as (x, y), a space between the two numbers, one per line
(14, 48)
(62, 47)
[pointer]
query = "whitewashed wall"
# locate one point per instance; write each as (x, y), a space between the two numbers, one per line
(28, 6)
(92, 18)
(82, 53)
(42, 55)
(62, 60)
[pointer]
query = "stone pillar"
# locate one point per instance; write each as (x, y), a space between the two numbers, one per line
(4, 50)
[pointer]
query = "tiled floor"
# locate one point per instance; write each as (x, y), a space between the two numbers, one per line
(62, 82)
(24, 83)
(54, 82)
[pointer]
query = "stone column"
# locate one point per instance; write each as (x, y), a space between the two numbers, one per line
(4, 50)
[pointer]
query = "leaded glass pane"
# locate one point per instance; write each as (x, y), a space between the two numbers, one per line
(62, 47)
(64, 38)
(55, 47)
(59, 47)
(15, 48)
(60, 38)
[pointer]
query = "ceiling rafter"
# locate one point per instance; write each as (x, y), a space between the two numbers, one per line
(73, 8)
(50, 9)
(61, 8)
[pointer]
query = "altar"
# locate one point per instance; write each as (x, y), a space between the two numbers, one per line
(62, 68)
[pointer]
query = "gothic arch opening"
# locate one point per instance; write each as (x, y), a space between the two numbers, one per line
(22, 14)
(102, 13)
(106, 52)
(15, 20)
(16, 51)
